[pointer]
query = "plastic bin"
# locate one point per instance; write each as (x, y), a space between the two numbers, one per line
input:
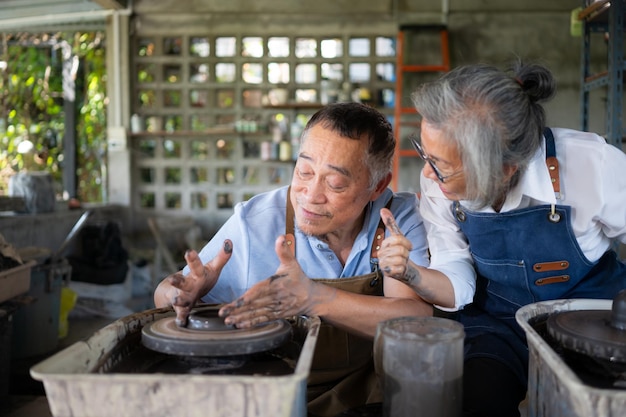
(77, 380)
(36, 325)
(554, 389)
(15, 281)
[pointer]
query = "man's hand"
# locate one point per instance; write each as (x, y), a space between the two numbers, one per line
(182, 292)
(286, 293)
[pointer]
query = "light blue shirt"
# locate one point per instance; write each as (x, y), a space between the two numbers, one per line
(256, 223)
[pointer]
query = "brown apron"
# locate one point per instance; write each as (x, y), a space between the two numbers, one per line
(342, 373)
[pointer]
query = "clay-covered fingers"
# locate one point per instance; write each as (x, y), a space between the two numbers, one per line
(393, 255)
(281, 295)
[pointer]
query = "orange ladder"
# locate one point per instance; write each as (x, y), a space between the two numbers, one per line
(401, 110)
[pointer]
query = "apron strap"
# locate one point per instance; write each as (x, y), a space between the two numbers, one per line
(290, 229)
(552, 162)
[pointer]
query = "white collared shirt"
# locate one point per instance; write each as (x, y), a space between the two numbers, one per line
(593, 182)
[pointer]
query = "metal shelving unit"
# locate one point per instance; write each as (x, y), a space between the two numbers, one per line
(607, 18)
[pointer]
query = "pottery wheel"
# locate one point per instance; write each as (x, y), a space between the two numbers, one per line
(207, 335)
(589, 332)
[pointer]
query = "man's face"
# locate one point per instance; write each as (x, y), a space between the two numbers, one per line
(330, 185)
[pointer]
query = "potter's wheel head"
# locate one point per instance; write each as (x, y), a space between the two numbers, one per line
(207, 335)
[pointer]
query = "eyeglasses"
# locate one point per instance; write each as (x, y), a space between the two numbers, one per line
(426, 158)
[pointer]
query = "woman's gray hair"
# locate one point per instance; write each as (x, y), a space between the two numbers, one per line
(494, 119)
(354, 121)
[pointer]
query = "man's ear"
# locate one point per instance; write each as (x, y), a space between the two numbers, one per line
(380, 187)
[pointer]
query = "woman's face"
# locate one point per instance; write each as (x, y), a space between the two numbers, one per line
(445, 156)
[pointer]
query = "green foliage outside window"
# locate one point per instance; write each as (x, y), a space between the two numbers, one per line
(32, 113)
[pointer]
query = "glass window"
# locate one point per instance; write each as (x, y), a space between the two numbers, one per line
(252, 73)
(359, 72)
(199, 201)
(171, 73)
(199, 46)
(171, 98)
(332, 72)
(171, 148)
(225, 98)
(147, 99)
(198, 98)
(199, 150)
(252, 46)
(252, 98)
(385, 46)
(278, 73)
(306, 48)
(199, 175)
(145, 47)
(172, 46)
(199, 122)
(146, 175)
(146, 73)
(146, 200)
(331, 48)
(225, 175)
(278, 47)
(225, 46)
(306, 73)
(173, 175)
(359, 47)
(225, 73)
(173, 200)
(386, 71)
(198, 73)
(225, 200)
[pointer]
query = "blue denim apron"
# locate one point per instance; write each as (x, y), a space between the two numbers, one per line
(522, 257)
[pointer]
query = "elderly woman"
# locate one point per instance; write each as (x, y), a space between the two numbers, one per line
(515, 212)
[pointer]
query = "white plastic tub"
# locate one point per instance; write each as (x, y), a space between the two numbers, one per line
(77, 383)
(554, 389)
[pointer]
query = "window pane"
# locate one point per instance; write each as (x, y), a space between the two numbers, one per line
(198, 175)
(146, 200)
(198, 98)
(225, 73)
(147, 99)
(278, 73)
(199, 47)
(198, 73)
(146, 175)
(171, 148)
(225, 46)
(252, 98)
(173, 123)
(225, 98)
(224, 200)
(172, 175)
(332, 48)
(224, 149)
(386, 72)
(171, 73)
(199, 201)
(172, 46)
(252, 47)
(252, 73)
(306, 95)
(147, 148)
(225, 175)
(359, 73)
(332, 72)
(146, 73)
(306, 73)
(173, 200)
(199, 122)
(171, 98)
(306, 48)
(199, 150)
(278, 47)
(359, 47)
(145, 47)
(385, 46)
